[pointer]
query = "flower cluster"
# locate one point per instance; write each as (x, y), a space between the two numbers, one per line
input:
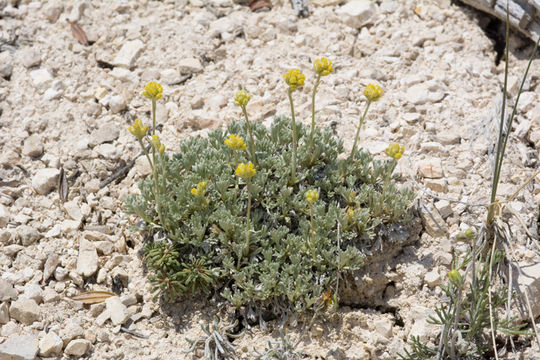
(241, 98)
(373, 92)
(294, 78)
(235, 142)
(153, 90)
(245, 171)
(395, 151)
(137, 129)
(200, 189)
(312, 196)
(323, 66)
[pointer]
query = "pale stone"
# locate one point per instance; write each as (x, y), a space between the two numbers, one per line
(87, 262)
(50, 295)
(216, 102)
(41, 78)
(4, 216)
(119, 312)
(34, 292)
(433, 222)
(190, 65)
(72, 330)
(104, 316)
(107, 151)
(437, 185)
(357, 13)
(444, 208)
(432, 146)
(529, 281)
(383, 327)
(51, 160)
(19, 347)
(142, 167)
(45, 180)
(422, 327)
(129, 299)
(117, 104)
(7, 291)
(73, 210)
(432, 278)
(170, 76)
(77, 347)
(25, 311)
(27, 234)
(430, 168)
(326, 2)
(53, 10)
(32, 146)
(128, 54)
(106, 133)
(4, 313)
(50, 344)
(426, 92)
(121, 74)
(6, 64)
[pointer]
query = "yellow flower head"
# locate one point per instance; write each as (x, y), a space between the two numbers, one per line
(138, 129)
(350, 213)
(241, 98)
(323, 66)
(455, 277)
(294, 78)
(395, 151)
(156, 143)
(312, 196)
(200, 190)
(235, 142)
(161, 149)
(373, 92)
(153, 90)
(245, 171)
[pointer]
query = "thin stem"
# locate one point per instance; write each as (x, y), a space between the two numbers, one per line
(153, 116)
(311, 232)
(154, 168)
(353, 151)
(248, 217)
(295, 139)
(313, 115)
(251, 140)
(146, 154)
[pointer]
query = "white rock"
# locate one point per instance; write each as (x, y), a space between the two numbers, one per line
(33, 292)
(4, 313)
(190, 65)
(421, 326)
(530, 282)
(128, 54)
(6, 64)
(77, 347)
(432, 278)
(73, 210)
(50, 344)
(522, 129)
(4, 216)
(119, 312)
(72, 330)
(52, 94)
(444, 208)
(357, 13)
(87, 262)
(426, 92)
(41, 78)
(216, 102)
(29, 57)
(51, 160)
(326, 2)
(27, 234)
(117, 104)
(170, 76)
(430, 168)
(45, 180)
(121, 74)
(106, 133)
(25, 311)
(19, 347)
(53, 10)
(383, 327)
(433, 222)
(108, 151)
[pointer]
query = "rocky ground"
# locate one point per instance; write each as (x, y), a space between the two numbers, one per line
(65, 105)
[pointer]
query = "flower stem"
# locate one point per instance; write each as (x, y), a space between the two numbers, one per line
(251, 140)
(294, 135)
(353, 151)
(313, 115)
(248, 218)
(146, 154)
(154, 167)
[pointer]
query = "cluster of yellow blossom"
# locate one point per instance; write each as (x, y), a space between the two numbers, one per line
(294, 78)
(323, 66)
(200, 190)
(245, 171)
(235, 142)
(137, 129)
(373, 92)
(153, 90)
(395, 151)
(312, 196)
(241, 98)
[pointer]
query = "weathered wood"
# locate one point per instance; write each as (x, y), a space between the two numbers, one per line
(524, 14)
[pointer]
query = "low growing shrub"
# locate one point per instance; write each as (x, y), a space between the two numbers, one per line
(272, 224)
